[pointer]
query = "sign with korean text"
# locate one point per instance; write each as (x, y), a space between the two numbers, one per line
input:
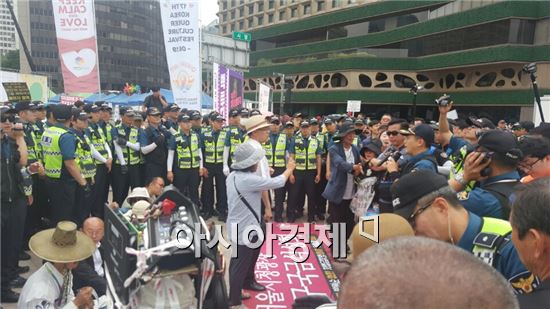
(353, 106)
(37, 85)
(76, 41)
(69, 100)
(17, 91)
(242, 36)
(263, 98)
(180, 26)
(227, 89)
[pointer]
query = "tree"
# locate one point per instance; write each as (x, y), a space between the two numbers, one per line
(10, 60)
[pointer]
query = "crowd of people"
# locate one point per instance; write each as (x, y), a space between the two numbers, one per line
(458, 181)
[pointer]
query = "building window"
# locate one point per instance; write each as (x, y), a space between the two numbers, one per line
(224, 5)
(224, 29)
(281, 15)
(251, 9)
(294, 12)
(270, 18)
(260, 6)
(307, 9)
(320, 5)
(250, 22)
(282, 2)
(271, 4)
(260, 20)
(241, 25)
(241, 12)
(233, 14)
(335, 3)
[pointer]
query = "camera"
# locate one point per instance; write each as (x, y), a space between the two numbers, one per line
(443, 100)
(530, 68)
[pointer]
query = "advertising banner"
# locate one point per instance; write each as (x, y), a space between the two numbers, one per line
(263, 98)
(180, 26)
(227, 89)
(69, 100)
(76, 41)
(37, 85)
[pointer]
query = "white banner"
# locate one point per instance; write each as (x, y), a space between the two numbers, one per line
(180, 25)
(353, 106)
(545, 103)
(263, 98)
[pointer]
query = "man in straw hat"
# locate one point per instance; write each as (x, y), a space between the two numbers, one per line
(51, 285)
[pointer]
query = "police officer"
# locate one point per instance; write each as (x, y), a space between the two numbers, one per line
(431, 206)
(106, 113)
(320, 187)
(307, 153)
(235, 137)
(13, 208)
(85, 162)
(102, 158)
(213, 147)
(127, 168)
(170, 120)
(40, 194)
(153, 142)
(495, 160)
(196, 122)
(289, 129)
(64, 174)
(276, 153)
(184, 165)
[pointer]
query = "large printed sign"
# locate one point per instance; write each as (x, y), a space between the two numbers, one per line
(263, 98)
(76, 41)
(36, 84)
(180, 25)
(227, 89)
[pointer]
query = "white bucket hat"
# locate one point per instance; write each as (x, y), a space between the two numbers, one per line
(247, 155)
(255, 123)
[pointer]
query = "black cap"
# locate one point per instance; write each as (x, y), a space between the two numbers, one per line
(424, 131)
(359, 122)
(289, 124)
(39, 105)
(313, 121)
(472, 121)
(534, 146)
(275, 120)
(127, 111)
(372, 145)
(91, 108)
(410, 188)
(153, 111)
(195, 115)
(298, 115)
(527, 125)
(216, 117)
(434, 125)
(62, 112)
(22, 106)
(486, 123)
(78, 114)
(7, 109)
(543, 129)
(328, 121)
(345, 129)
(304, 124)
(155, 88)
(501, 142)
(244, 112)
(183, 118)
(234, 113)
(255, 112)
(172, 108)
(103, 105)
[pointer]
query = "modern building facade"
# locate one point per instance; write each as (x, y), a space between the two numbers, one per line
(8, 34)
(129, 38)
(375, 51)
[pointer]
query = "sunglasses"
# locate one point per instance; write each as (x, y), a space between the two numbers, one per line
(5, 118)
(394, 133)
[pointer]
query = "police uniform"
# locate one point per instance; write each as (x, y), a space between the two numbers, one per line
(320, 187)
(275, 153)
(456, 151)
(213, 146)
(155, 160)
(58, 146)
(490, 240)
(87, 167)
(127, 164)
(235, 137)
(13, 207)
(186, 162)
(305, 151)
(99, 141)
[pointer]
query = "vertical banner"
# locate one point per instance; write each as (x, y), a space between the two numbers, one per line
(263, 98)
(76, 41)
(227, 89)
(180, 26)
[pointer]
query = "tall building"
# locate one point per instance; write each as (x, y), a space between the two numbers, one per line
(8, 34)
(129, 39)
(375, 51)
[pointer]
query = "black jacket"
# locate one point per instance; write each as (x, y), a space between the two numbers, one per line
(12, 181)
(85, 275)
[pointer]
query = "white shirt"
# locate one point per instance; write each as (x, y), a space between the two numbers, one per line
(348, 193)
(263, 165)
(98, 262)
(44, 290)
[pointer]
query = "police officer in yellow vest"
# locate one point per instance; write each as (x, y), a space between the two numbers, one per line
(235, 137)
(320, 187)
(86, 164)
(127, 168)
(431, 206)
(102, 158)
(184, 163)
(64, 174)
(213, 147)
(307, 153)
(276, 154)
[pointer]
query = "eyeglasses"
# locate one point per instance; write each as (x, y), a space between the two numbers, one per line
(412, 218)
(528, 166)
(394, 133)
(517, 128)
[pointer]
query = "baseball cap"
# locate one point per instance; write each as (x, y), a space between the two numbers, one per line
(487, 123)
(275, 120)
(255, 112)
(172, 108)
(39, 104)
(434, 125)
(313, 121)
(371, 145)
(472, 121)
(359, 122)
(103, 105)
(298, 115)
(183, 118)
(7, 109)
(195, 115)
(125, 109)
(535, 146)
(244, 112)
(216, 117)
(22, 106)
(304, 124)
(289, 124)
(410, 188)
(501, 142)
(61, 112)
(542, 129)
(424, 131)
(153, 111)
(91, 108)
(527, 125)
(155, 88)
(328, 121)
(234, 113)
(80, 115)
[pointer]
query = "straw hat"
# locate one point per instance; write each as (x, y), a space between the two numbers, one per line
(139, 192)
(254, 123)
(63, 244)
(140, 208)
(247, 155)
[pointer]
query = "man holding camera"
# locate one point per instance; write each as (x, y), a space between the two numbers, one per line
(417, 143)
(494, 164)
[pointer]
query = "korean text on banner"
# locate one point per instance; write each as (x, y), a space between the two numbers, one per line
(263, 98)
(180, 26)
(227, 89)
(76, 41)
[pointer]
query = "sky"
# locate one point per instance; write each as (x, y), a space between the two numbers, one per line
(208, 10)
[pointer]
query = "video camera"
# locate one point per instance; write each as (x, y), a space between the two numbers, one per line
(443, 100)
(396, 155)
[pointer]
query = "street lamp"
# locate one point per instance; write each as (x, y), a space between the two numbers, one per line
(414, 90)
(281, 99)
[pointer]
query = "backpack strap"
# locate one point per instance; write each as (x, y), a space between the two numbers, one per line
(245, 202)
(502, 190)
